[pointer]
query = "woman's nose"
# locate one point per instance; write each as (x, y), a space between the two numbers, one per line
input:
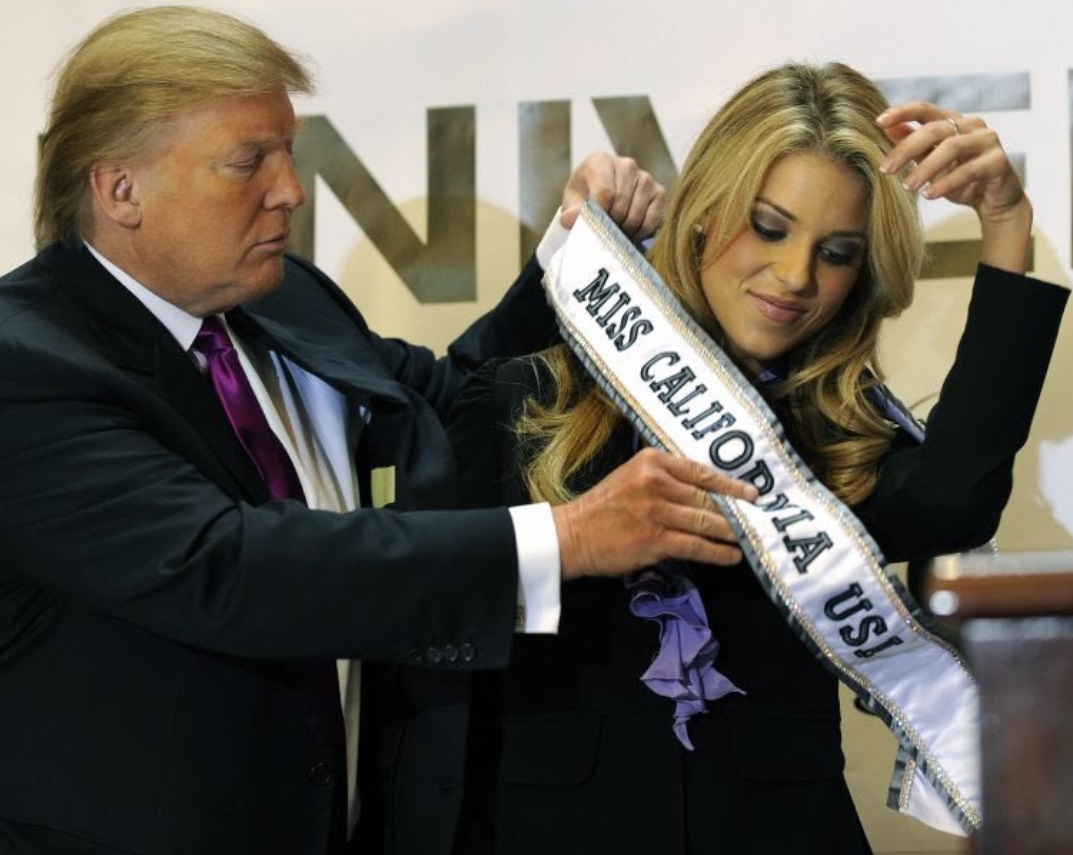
(794, 266)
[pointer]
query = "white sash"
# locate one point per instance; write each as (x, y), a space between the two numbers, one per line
(813, 557)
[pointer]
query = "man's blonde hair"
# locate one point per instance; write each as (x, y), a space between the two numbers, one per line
(130, 75)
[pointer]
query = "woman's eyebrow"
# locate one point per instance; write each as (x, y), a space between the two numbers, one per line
(793, 219)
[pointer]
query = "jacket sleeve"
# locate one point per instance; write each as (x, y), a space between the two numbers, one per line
(100, 511)
(481, 430)
(522, 322)
(947, 494)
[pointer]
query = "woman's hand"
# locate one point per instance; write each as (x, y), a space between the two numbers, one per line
(960, 158)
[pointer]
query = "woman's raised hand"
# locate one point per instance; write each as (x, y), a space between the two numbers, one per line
(960, 158)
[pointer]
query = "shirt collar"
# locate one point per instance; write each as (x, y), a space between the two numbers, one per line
(773, 373)
(182, 325)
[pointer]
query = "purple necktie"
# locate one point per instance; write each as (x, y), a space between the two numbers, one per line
(244, 412)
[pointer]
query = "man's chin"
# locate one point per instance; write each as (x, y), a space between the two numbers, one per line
(269, 277)
(251, 288)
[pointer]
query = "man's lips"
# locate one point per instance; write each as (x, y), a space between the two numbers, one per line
(277, 241)
(775, 309)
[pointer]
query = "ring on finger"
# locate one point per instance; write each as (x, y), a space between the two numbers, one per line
(954, 122)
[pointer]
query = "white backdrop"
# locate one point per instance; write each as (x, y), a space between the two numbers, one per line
(382, 66)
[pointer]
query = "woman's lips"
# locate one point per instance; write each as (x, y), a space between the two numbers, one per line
(780, 311)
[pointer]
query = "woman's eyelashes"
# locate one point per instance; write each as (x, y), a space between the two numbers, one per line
(840, 255)
(836, 253)
(768, 231)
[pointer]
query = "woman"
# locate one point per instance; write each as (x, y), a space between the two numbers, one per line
(791, 234)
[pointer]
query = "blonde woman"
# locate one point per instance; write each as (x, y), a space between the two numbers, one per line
(791, 234)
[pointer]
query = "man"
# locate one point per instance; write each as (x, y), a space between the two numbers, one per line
(172, 599)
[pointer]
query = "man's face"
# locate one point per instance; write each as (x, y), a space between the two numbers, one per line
(215, 196)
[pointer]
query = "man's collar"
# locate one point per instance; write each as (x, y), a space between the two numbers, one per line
(182, 325)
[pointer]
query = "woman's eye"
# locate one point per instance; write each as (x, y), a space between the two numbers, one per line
(767, 232)
(838, 256)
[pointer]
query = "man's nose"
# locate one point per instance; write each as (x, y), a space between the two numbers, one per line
(287, 190)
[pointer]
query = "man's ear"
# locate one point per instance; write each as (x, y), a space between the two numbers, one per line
(115, 195)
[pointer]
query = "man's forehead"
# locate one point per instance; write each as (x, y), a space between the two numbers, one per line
(251, 120)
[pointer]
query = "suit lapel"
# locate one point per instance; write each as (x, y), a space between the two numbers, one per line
(343, 357)
(136, 343)
(305, 322)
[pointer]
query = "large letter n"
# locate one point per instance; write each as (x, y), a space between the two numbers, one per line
(445, 268)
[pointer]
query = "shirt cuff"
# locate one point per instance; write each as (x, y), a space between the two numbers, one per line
(553, 240)
(538, 569)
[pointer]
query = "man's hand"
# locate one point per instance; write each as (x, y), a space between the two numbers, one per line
(631, 196)
(654, 506)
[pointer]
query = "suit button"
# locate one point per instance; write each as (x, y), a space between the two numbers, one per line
(433, 656)
(320, 774)
(468, 652)
(450, 653)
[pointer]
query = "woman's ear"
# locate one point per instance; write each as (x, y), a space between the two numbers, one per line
(699, 240)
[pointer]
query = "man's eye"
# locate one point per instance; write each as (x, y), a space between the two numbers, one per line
(249, 164)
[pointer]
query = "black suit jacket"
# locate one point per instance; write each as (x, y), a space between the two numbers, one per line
(167, 634)
(569, 752)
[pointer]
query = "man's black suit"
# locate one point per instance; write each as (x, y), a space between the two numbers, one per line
(166, 633)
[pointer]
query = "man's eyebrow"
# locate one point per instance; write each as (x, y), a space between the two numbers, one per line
(254, 144)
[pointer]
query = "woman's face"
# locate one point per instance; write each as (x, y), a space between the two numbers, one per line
(785, 276)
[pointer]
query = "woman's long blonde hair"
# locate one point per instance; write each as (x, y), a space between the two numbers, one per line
(830, 110)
